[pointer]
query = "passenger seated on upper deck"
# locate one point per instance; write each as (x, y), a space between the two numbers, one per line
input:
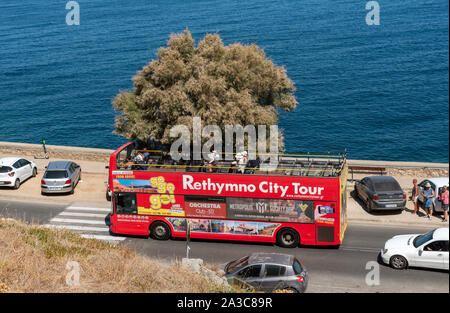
(253, 164)
(127, 165)
(139, 159)
(145, 155)
(241, 160)
(213, 158)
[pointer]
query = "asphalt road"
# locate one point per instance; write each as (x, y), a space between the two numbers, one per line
(30, 212)
(330, 270)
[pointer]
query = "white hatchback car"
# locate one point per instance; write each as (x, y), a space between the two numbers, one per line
(14, 171)
(428, 250)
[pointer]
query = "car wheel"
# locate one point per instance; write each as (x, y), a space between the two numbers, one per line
(288, 238)
(16, 184)
(398, 262)
(34, 172)
(72, 191)
(160, 231)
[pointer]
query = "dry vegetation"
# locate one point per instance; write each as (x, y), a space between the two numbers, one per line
(34, 258)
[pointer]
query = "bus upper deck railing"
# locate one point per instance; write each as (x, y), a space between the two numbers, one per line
(315, 165)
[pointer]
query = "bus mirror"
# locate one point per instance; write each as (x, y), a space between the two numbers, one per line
(107, 166)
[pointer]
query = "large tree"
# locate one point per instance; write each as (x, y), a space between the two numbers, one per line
(223, 85)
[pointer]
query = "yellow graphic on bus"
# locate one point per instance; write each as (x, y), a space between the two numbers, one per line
(165, 196)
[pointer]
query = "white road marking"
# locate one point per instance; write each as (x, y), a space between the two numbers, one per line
(361, 249)
(65, 213)
(77, 208)
(100, 237)
(76, 221)
(79, 228)
(87, 216)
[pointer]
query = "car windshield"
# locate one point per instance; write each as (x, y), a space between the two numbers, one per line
(421, 239)
(297, 267)
(56, 174)
(386, 186)
(232, 266)
(5, 169)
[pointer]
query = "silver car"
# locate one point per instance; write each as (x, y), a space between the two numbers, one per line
(60, 177)
(268, 272)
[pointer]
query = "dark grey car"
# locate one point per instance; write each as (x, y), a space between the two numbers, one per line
(381, 193)
(269, 272)
(60, 177)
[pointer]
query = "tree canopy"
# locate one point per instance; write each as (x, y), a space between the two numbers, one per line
(223, 85)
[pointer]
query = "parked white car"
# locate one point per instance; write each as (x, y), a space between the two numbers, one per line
(14, 171)
(429, 250)
(436, 185)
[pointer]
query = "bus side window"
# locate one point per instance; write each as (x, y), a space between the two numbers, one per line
(126, 203)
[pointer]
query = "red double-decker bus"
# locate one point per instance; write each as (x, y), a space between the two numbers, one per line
(302, 201)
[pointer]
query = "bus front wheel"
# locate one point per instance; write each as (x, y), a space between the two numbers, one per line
(288, 238)
(160, 231)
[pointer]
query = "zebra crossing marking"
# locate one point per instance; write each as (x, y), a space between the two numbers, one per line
(84, 220)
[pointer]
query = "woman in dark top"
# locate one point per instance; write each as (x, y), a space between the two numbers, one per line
(415, 196)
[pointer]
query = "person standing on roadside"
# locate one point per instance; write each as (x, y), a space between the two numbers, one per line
(428, 195)
(444, 199)
(415, 196)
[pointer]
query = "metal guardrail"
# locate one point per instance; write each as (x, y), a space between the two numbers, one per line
(355, 169)
(331, 171)
(295, 164)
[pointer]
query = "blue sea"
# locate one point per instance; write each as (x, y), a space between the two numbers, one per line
(382, 92)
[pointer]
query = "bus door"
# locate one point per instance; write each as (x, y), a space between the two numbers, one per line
(327, 231)
(128, 220)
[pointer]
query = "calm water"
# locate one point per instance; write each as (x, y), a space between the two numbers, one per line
(381, 91)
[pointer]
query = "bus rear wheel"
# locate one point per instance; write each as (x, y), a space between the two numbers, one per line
(288, 238)
(160, 231)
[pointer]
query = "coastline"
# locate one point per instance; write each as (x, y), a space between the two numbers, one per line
(102, 155)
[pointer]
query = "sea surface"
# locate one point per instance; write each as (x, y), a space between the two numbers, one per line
(381, 92)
